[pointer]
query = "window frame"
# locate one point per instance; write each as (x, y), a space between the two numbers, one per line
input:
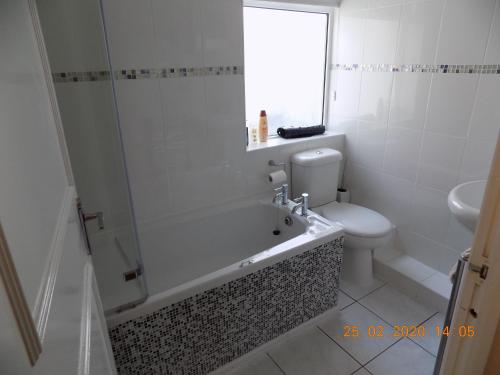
(306, 7)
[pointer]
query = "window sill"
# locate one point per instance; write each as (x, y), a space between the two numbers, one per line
(278, 141)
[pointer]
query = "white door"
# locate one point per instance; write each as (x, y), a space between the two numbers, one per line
(51, 319)
(477, 310)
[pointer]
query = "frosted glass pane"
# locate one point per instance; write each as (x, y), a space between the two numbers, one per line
(285, 55)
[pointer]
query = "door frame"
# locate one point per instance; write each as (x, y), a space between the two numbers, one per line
(478, 304)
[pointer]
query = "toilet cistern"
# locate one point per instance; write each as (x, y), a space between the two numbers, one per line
(317, 171)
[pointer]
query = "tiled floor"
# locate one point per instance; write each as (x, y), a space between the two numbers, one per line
(323, 348)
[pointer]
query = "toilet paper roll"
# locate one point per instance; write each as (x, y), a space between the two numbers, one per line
(343, 195)
(278, 177)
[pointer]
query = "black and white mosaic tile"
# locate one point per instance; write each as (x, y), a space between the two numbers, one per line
(212, 328)
(124, 74)
(421, 68)
(151, 73)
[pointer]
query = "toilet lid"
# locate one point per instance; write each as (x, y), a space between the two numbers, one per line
(356, 220)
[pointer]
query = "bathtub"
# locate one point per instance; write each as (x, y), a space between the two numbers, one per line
(224, 283)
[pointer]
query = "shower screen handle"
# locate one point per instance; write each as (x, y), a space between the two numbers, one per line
(93, 216)
(83, 217)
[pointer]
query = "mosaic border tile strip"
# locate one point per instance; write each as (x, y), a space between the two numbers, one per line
(421, 68)
(147, 73)
(205, 331)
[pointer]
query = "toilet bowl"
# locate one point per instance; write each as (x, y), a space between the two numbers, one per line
(317, 172)
(365, 230)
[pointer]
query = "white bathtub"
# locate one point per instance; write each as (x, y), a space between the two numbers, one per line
(200, 253)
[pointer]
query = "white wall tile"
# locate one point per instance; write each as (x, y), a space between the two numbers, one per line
(440, 161)
(349, 127)
(359, 181)
(386, 3)
(392, 197)
(129, 26)
(79, 48)
(381, 34)
(448, 258)
(464, 31)
(450, 104)
(86, 111)
(433, 140)
(355, 4)
(141, 121)
(348, 84)
(184, 114)
(493, 46)
(369, 148)
(417, 41)
(351, 34)
(484, 130)
(423, 249)
(178, 33)
(409, 97)
(429, 214)
(458, 236)
(222, 29)
(375, 96)
(401, 152)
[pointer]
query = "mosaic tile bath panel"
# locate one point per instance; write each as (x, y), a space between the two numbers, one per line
(205, 331)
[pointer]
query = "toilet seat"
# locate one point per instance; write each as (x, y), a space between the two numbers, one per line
(357, 221)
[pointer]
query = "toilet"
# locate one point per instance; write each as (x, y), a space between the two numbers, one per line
(317, 172)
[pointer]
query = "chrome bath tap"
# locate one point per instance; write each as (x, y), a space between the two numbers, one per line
(281, 195)
(302, 203)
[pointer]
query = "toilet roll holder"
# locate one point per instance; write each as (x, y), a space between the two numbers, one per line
(272, 163)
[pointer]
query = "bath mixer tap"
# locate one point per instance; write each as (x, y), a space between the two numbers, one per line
(281, 195)
(302, 203)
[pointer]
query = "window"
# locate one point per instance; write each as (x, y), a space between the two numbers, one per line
(285, 60)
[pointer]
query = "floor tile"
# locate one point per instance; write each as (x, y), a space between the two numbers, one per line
(364, 347)
(313, 353)
(343, 300)
(404, 357)
(430, 341)
(361, 371)
(260, 365)
(396, 308)
(356, 291)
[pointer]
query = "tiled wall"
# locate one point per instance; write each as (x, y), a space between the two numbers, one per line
(413, 134)
(185, 135)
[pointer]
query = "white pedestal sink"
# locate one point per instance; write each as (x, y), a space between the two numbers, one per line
(465, 201)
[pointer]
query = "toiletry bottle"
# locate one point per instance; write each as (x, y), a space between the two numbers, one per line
(263, 132)
(255, 138)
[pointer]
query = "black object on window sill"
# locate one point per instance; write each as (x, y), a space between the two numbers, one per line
(307, 131)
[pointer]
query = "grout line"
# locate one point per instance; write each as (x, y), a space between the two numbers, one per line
(490, 31)
(421, 324)
(377, 315)
(340, 346)
(383, 351)
(364, 295)
(276, 364)
(346, 306)
(421, 347)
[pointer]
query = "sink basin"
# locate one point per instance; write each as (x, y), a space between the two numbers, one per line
(465, 200)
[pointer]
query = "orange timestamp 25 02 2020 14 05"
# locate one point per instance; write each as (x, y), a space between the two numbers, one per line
(352, 330)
